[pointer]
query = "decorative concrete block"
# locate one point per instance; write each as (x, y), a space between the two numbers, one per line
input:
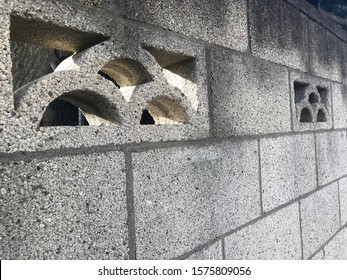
(222, 22)
(331, 150)
(327, 54)
(336, 249)
(343, 200)
(274, 237)
(311, 102)
(278, 33)
(339, 96)
(249, 96)
(319, 218)
(214, 252)
(64, 208)
(187, 196)
(288, 168)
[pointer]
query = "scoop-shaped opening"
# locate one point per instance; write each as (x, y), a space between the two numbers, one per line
(306, 116)
(313, 98)
(164, 110)
(80, 108)
(321, 116)
(126, 72)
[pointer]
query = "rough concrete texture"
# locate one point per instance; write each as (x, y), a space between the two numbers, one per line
(222, 22)
(186, 196)
(328, 57)
(319, 256)
(94, 3)
(214, 252)
(343, 200)
(313, 96)
(331, 150)
(319, 218)
(288, 168)
(268, 238)
(249, 96)
(29, 62)
(336, 249)
(278, 33)
(64, 208)
(339, 101)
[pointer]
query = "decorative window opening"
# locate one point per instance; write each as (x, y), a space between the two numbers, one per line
(306, 116)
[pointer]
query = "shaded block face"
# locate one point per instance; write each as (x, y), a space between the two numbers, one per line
(186, 196)
(331, 156)
(278, 33)
(320, 218)
(249, 96)
(64, 208)
(328, 54)
(268, 238)
(287, 168)
(222, 22)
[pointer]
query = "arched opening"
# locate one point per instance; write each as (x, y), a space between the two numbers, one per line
(321, 116)
(164, 110)
(313, 98)
(306, 116)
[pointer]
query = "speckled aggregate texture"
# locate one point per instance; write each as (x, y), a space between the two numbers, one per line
(186, 196)
(320, 218)
(288, 44)
(268, 238)
(172, 130)
(64, 208)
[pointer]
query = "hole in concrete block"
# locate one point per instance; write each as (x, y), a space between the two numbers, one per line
(165, 110)
(126, 72)
(62, 113)
(306, 116)
(313, 98)
(146, 118)
(107, 77)
(80, 108)
(321, 116)
(323, 92)
(299, 90)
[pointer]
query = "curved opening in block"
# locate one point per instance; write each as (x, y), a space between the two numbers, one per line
(126, 72)
(306, 116)
(78, 108)
(313, 98)
(165, 110)
(321, 116)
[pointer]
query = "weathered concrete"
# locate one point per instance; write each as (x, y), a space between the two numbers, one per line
(331, 150)
(339, 96)
(249, 96)
(288, 169)
(268, 238)
(278, 33)
(186, 196)
(222, 22)
(336, 249)
(343, 200)
(214, 252)
(64, 209)
(319, 218)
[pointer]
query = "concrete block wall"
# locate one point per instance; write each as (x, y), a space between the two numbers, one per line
(247, 157)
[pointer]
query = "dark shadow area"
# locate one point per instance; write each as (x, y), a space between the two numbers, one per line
(306, 116)
(146, 118)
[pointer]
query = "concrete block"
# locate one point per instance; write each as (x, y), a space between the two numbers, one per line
(339, 101)
(249, 96)
(64, 208)
(288, 168)
(214, 252)
(187, 196)
(336, 249)
(311, 102)
(222, 22)
(343, 200)
(274, 237)
(327, 54)
(331, 150)
(319, 256)
(278, 33)
(319, 218)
